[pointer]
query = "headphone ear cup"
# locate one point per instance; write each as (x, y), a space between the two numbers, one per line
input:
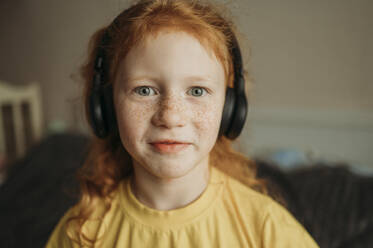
(227, 111)
(96, 114)
(238, 118)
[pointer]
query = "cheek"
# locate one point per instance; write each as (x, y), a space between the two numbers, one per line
(137, 113)
(207, 119)
(133, 118)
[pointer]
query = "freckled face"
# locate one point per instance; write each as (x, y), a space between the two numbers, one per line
(169, 88)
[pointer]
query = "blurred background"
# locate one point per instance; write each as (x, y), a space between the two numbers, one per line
(311, 63)
(311, 106)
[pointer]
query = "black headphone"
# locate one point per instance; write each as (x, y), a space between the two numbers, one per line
(101, 108)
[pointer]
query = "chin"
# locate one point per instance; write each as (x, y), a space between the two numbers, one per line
(171, 171)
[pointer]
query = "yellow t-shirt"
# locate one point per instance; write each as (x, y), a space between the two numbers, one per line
(227, 214)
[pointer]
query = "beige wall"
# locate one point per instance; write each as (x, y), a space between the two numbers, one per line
(311, 54)
(313, 84)
(309, 57)
(46, 41)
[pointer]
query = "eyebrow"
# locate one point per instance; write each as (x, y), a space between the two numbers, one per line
(131, 79)
(198, 79)
(188, 79)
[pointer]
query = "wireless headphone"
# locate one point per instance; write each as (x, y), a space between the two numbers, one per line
(101, 107)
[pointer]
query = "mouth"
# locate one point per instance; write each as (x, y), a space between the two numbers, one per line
(169, 141)
(169, 146)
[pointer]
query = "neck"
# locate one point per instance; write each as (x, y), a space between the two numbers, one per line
(169, 193)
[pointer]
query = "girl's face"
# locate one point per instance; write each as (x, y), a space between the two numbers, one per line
(169, 89)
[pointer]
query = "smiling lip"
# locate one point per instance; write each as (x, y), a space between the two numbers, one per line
(169, 146)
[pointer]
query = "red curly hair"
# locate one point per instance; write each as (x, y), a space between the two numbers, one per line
(108, 162)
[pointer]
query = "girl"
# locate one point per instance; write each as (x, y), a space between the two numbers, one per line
(164, 95)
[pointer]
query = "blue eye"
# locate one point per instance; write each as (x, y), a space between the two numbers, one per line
(144, 91)
(197, 91)
(149, 91)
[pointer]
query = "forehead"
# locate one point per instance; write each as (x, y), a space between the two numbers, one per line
(171, 53)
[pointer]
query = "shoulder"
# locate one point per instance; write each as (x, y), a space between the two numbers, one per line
(272, 222)
(65, 233)
(59, 237)
(247, 197)
(281, 227)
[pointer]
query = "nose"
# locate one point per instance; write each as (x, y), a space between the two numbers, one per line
(171, 112)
